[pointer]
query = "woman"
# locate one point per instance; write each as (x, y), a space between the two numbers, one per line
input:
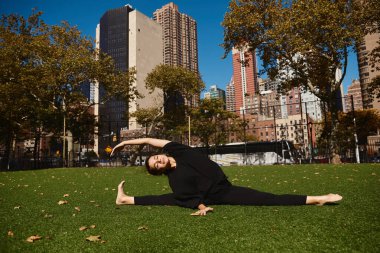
(198, 182)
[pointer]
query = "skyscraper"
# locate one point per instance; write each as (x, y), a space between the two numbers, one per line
(230, 96)
(126, 35)
(353, 90)
(180, 42)
(367, 72)
(244, 76)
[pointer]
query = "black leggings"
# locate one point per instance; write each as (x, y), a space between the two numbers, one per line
(235, 195)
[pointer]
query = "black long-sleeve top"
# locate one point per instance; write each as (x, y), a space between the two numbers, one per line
(195, 177)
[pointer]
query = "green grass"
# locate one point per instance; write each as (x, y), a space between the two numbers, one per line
(351, 226)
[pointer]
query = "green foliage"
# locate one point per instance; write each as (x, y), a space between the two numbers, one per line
(367, 123)
(210, 122)
(351, 225)
(302, 43)
(374, 89)
(42, 69)
(179, 86)
(171, 79)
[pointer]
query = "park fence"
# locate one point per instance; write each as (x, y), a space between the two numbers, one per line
(299, 123)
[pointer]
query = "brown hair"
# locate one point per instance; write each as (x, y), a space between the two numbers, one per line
(150, 170)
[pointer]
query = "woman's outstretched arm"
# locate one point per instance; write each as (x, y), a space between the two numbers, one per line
(159, 143)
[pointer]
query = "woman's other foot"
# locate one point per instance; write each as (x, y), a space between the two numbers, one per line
(324, 199)
(122, 198)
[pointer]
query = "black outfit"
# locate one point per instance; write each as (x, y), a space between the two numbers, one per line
(198, 180)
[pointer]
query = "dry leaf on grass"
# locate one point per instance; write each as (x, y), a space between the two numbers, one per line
(66, 195)
(142, 228)
(77, 208)
(62, 202)
(10, 233)
(33, 238)
(85, 227)
(17, 207)
(93, 238)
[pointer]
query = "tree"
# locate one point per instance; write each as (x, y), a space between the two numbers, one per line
(367, 123)
(210, 122)
(374, 88)
(44, 67)
(21, 41)
(178, 85)
(302, 43)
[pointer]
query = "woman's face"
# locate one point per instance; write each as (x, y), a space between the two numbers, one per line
(159, 162)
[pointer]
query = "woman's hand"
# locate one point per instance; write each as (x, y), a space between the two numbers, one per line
(117, 148)
(203, 211)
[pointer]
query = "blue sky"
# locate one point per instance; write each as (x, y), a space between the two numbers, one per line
(208, 14)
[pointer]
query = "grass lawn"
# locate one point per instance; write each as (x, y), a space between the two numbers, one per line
(29, 206)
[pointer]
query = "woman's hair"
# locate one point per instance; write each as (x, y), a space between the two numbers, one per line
(150, 170)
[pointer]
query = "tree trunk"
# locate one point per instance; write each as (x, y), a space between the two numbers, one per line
(36, 149)
(334, 155)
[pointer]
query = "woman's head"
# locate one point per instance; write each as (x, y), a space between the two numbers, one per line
(157, 164)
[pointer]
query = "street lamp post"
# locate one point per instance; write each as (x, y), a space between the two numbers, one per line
(64, 133)
(275, 130)
(355, 135)
(245, 138)
(189, 130)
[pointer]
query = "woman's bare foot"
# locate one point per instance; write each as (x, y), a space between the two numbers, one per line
(122, 198)
(321, 200)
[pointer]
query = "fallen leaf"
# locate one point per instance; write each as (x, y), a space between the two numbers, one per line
(62, 202)
(143, 228)
(66, 195)
(92, 201)
(93, 226)
(93, 238)
(33, 238)
(102, 241)
(83, 228)
(10, 233)
(17, 207)
(77, 208)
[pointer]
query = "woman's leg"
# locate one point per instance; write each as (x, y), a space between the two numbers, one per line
(123, 199)
(237, 195)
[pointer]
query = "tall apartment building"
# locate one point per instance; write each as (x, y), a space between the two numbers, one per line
(230, 96)
(355, 91)
(367, 72)
(126, 35)
(180, 41)
(268, 85)
(244, 76)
